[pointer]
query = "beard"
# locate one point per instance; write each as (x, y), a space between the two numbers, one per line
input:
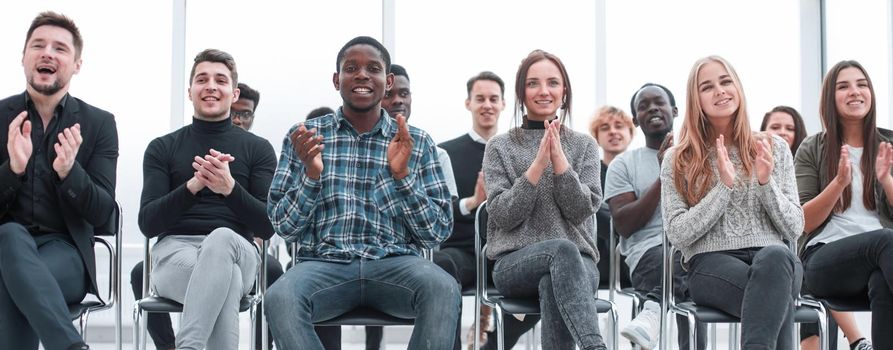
(47, 89)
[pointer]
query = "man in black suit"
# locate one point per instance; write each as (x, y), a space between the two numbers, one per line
(57, 185)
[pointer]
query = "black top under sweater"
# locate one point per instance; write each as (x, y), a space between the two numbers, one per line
(168, 208)
(467, 156)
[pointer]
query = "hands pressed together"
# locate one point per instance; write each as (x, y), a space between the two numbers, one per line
(550, 152)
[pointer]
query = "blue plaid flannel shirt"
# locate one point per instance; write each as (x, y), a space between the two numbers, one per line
(356, 208)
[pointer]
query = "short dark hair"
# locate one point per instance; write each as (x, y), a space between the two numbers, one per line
(319, 112)
(50, 18)
(399, 71)
(217, 56)
(632, 101)
(486, 75)
(246, 92)
(364, 40)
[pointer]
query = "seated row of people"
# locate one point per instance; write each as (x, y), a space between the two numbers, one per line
(364, 193)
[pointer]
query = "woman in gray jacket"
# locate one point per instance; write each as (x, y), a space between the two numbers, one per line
(542, 182)
(843, 174)
(729, 203)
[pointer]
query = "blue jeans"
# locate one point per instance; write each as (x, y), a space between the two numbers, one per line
(565, 282)
(402, 286)
(757, 285)
(853, 267)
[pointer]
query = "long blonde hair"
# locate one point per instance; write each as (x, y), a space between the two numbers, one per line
(692, 171)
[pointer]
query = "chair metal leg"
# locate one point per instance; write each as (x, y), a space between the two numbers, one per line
(615, 324)
(692, 329)
(734, 343)
(253, 336)
(475, 340)
(500, 328)
(136, 326)
(713, 336)
(82, 323)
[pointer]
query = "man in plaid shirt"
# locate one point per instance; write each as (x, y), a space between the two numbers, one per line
(363, 194)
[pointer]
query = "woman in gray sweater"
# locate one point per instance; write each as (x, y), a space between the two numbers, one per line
(843, 174)
(729, 203)
(542, 182)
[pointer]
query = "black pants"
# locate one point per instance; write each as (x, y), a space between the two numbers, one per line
(648, 278)
(159, 324)
(758, 285)
(853, 267)
(39, 276)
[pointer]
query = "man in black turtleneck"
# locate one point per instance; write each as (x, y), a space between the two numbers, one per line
(204, 194)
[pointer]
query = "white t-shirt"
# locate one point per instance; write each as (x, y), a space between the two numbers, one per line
(856, 219)
(635, 171)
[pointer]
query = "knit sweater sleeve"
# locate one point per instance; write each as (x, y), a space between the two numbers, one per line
(686, 224)
(779, 195)
(510, 196)
(578, 190)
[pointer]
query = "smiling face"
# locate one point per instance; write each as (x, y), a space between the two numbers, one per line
(614, 135)
(654, 114)
(212, 91)
(362, 80)
(50, 60)
(852, 95)
(485, 104)
(543, 90)
(717, 93)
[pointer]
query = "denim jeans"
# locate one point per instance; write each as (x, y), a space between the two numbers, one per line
(648, 278)
(852, 267)
(565, 282)
(402, 286)
(461, 264)
(756, 284)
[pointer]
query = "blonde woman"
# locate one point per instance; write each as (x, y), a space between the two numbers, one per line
(729, 203)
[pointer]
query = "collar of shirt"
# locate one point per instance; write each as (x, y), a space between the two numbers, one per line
(476, 138)
(60, 107)
(384, 125)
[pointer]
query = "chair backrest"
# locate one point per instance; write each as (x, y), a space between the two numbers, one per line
(480, 246)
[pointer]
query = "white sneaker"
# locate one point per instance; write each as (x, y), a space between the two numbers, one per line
(644, 330)
(863, 344)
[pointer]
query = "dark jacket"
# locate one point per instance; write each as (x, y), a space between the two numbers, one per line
(812, 173)
(87, 195)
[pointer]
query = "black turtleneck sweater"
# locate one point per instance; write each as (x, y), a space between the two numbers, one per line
(168, 208)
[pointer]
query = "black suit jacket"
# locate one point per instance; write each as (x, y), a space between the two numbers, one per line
(87, 195)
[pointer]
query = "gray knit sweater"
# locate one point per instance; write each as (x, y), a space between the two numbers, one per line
(559, 206)
(744, 216)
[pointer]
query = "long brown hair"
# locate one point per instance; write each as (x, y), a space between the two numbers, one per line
(521, 92)
(833, 138)
(693, 173)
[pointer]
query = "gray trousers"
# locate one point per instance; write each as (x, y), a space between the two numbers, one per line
(227, 267)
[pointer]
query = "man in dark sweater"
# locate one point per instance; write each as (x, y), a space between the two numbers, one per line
(204, 195)
(159, 324)
(57, 188)
(456, 255)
